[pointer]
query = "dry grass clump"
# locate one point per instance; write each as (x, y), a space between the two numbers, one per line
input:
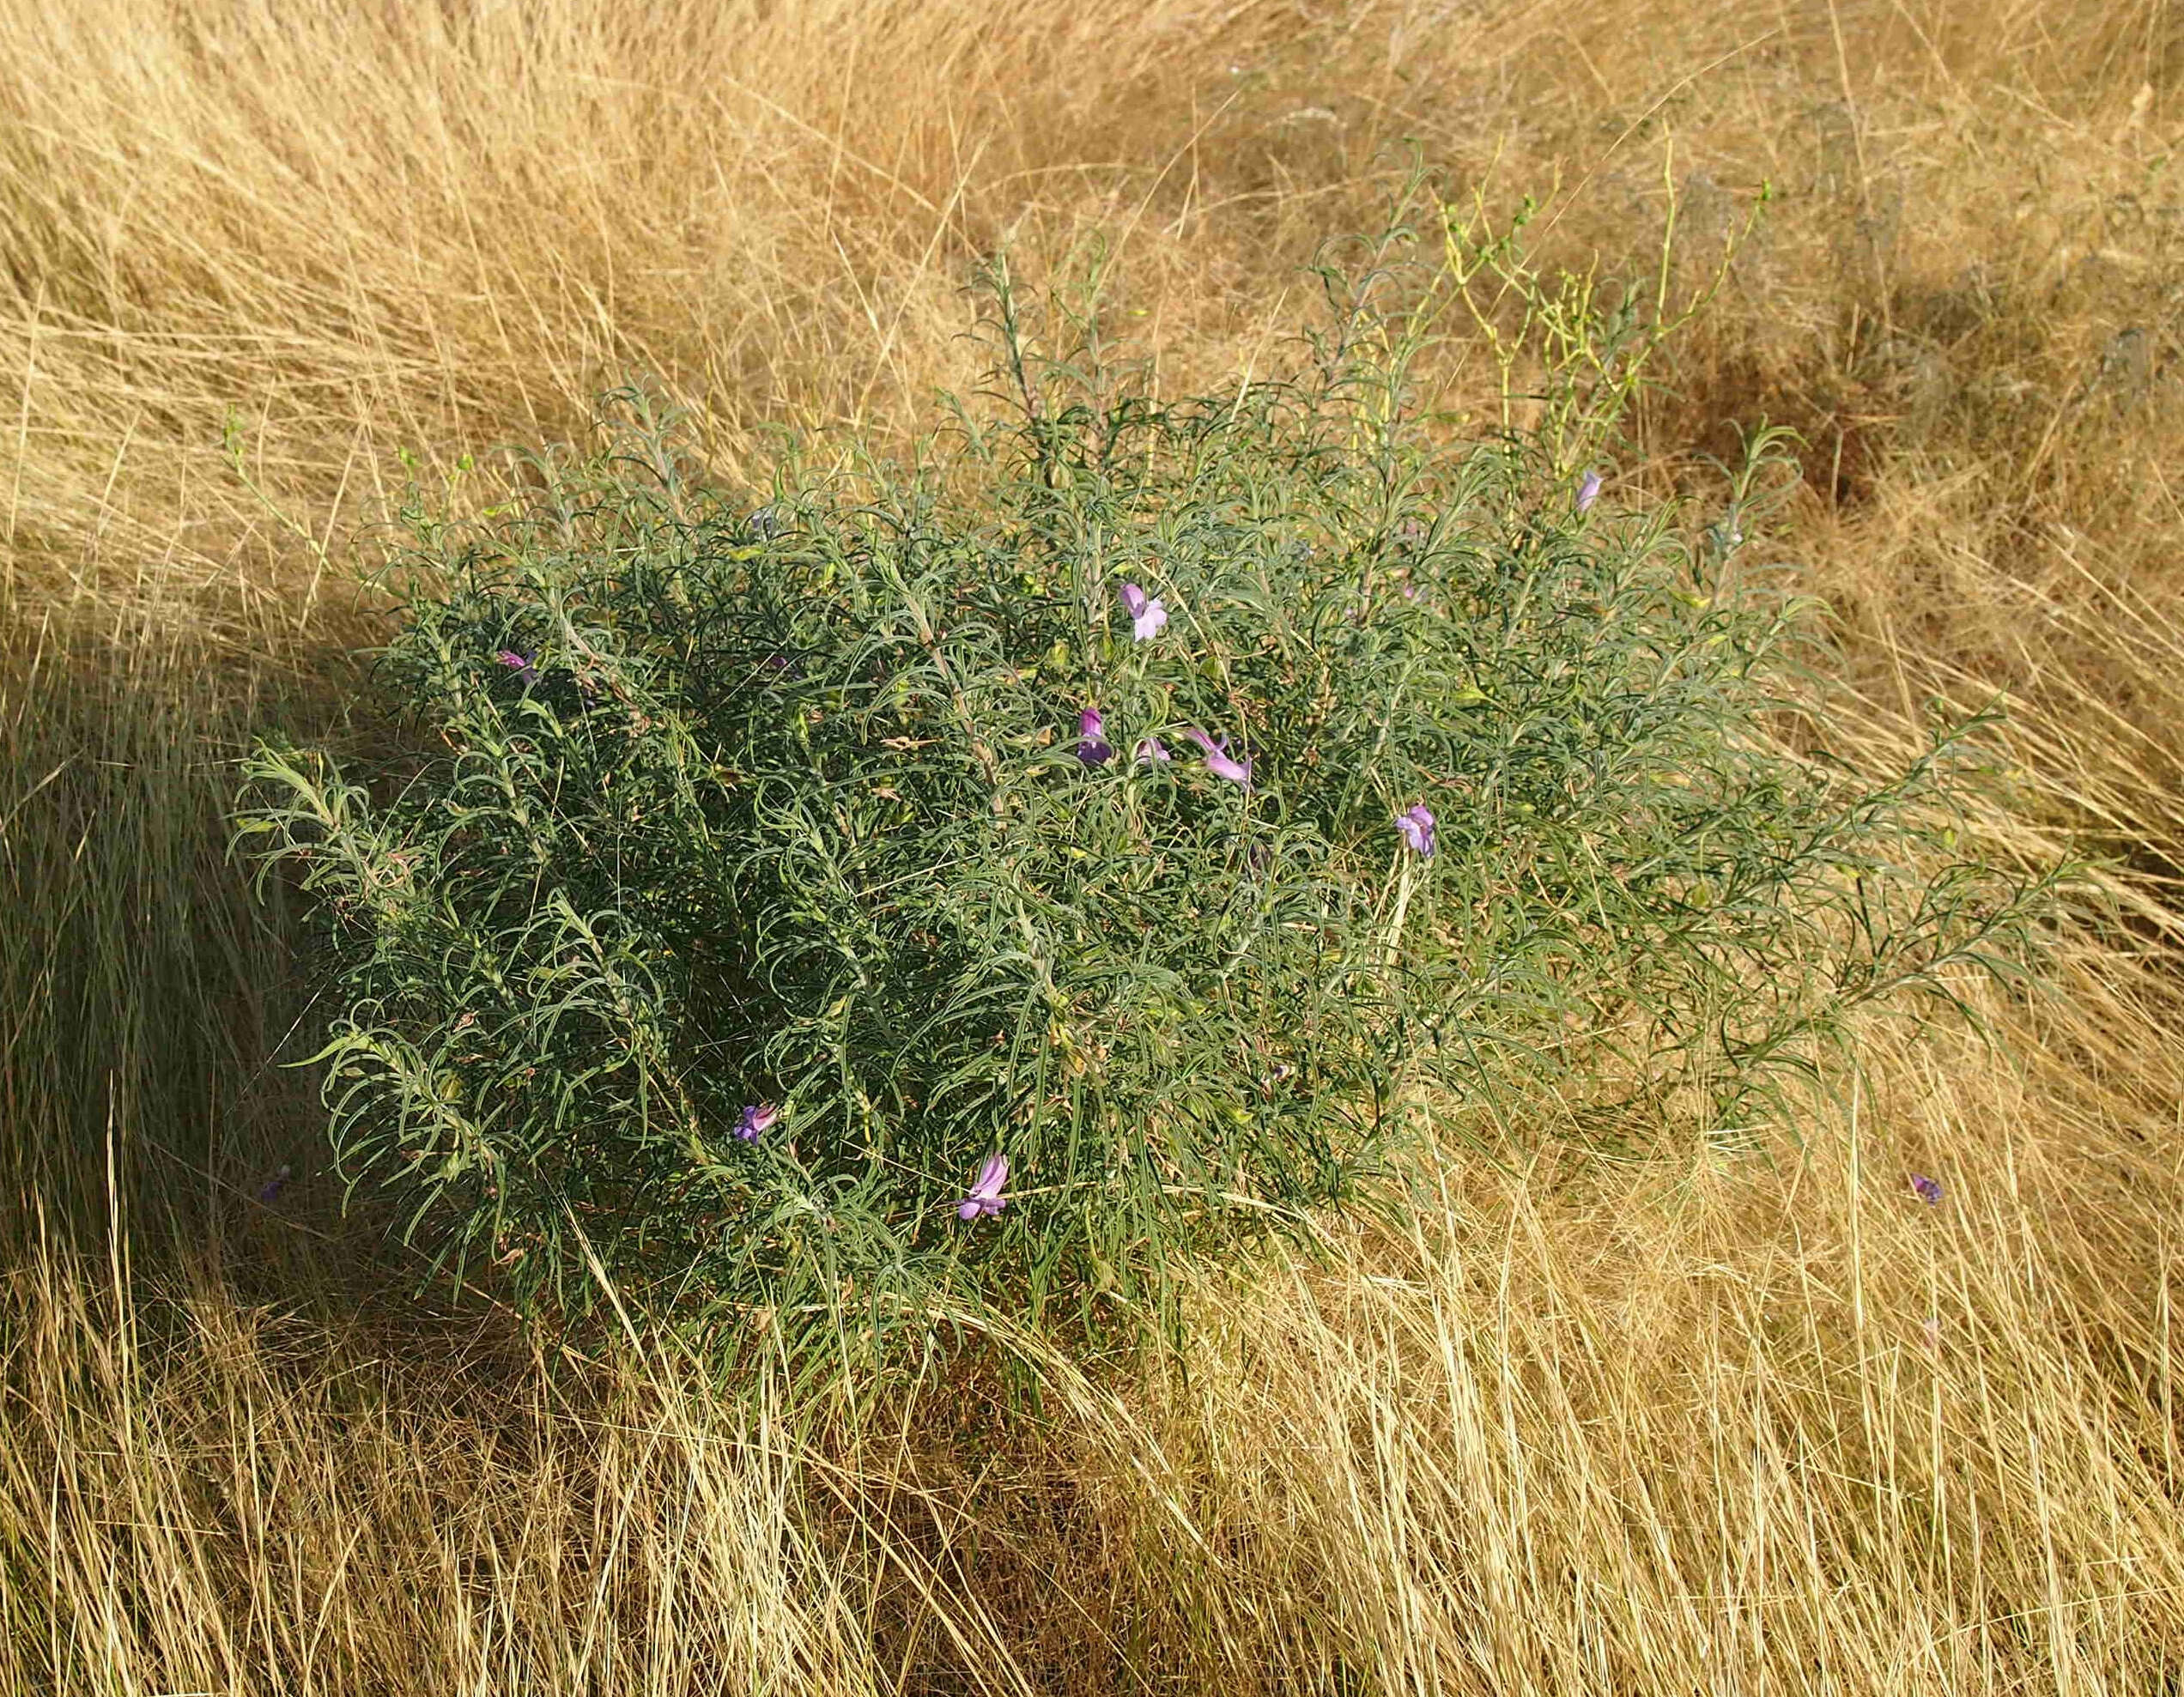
(1663, 1428)
(1746, 1429)
(202, 1494)
(1754, 1426)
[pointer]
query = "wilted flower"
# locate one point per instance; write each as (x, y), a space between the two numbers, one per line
(1146, 615)
(985, 1195)
(1588, 492)
(518, 662)
(273, 1187)
(1928, 1190)
(757, 1118)
(1417, 824)
(1217, 759)
(1093, 749)
(1151, 751)
(1931, 1331)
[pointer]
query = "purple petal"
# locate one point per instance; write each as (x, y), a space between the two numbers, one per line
(1217, 759)
(1151, 751)
(986, 1198)
(273, 1187)
(1147, 624)
(1093, 747)
(518, 663)
(1928, 1190)
(1133, 601)
(1417, 824)
(1236, 772)
(757, 1118)
(1588, 492)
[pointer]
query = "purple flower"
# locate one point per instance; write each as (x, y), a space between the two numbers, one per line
(1146, 617)
(985, 1195)
(1588, 492)
(1151, 752)
(1417, 824)
(1218, 757)
(1928, 1190)
(1092, 748)
(518, 662)
(757, 1118)
(272, 1187)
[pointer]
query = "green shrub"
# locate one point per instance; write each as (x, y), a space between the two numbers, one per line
(717, 809)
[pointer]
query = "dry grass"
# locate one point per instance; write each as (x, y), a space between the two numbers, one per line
(1589, 1430)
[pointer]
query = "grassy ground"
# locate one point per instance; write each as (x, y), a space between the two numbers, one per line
(1732, 1426)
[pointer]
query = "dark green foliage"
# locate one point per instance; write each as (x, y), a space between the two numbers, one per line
(788, 808)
